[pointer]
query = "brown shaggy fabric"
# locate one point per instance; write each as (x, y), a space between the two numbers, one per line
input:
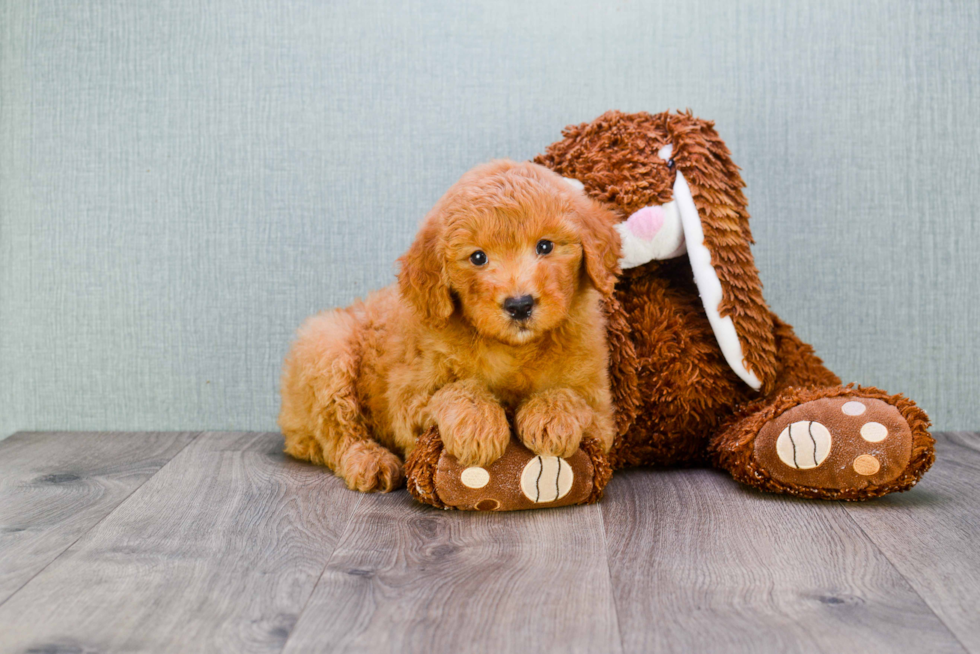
(798, 364)
(600, 466)
(615, 157)
(622, 366)
(685, 387)
(420, 468)
(678, 402)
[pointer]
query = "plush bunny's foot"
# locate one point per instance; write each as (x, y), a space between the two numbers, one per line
(836, 443)
(831, 443)
(517, 480)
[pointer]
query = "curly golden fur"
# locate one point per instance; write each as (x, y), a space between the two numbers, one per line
(678, 400)
(440, 349)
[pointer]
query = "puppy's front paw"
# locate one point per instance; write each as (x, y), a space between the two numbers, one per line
(473, 427)
(370, 467)
(476, 437)
(552, 423)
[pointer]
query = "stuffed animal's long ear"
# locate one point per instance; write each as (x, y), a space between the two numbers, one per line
(600, 244)
(708, 192)
(422, 279)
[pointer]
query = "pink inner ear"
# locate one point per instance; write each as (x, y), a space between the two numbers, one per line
(646, 222)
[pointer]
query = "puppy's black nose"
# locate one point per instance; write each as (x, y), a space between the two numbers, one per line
(519, 308)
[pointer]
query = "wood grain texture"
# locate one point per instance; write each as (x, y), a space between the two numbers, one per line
(231, 546)
(700, 564)
(55, 486)
(218, 552)
(410, 578)
(932, 535)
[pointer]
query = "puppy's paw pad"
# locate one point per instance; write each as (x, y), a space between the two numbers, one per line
(369, 467)
(836, 443)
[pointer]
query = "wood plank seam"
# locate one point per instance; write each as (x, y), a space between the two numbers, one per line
(940, 436)
(102, 519)
(908, 581)
(744, 570)
(326, 564)
(612, 587)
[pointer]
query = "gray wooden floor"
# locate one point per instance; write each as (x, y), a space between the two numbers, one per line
(184, 542)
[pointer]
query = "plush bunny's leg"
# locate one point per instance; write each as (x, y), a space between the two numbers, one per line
(841, 442)
(813, 437)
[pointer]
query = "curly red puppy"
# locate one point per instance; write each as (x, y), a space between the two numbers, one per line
(496, 319)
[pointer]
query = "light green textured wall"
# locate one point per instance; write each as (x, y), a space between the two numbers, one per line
(180, 186)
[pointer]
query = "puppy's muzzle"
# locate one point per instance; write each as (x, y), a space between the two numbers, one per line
(519, 308)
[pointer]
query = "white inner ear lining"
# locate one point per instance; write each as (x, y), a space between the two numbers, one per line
(705, 277)
(709, 286)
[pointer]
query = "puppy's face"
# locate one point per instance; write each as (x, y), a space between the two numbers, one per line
(509, 247)
(516, 270)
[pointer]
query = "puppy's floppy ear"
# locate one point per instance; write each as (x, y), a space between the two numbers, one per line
(422, 279)
(600, 244)
(601, 247)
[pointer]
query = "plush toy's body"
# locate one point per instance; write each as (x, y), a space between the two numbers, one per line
(701, 370)
(689, 399)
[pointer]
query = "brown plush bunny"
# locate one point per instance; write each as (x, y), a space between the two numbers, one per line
(701, 369)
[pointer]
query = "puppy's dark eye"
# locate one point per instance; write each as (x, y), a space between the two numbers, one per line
(670, 164)
(544, 246)
(478, 258)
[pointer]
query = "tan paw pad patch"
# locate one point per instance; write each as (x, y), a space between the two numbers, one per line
(546, 479)
(474, 477)
(874, 432)
(835, 443)
(866, 465)
(803, 445)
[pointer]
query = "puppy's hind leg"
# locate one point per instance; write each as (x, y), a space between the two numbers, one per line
(321, 417)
